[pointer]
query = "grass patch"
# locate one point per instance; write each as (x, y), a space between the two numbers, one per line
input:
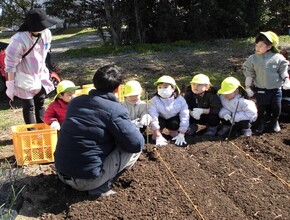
(179, 46)
(10, 117)
(60, 34)
(104, 50)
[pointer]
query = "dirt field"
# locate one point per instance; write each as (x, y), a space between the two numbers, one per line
(211, 178)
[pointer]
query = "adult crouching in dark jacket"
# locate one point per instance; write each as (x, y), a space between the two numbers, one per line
(97, 140)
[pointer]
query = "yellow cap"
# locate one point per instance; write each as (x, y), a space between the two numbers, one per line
(273, 38)
(167, 79)
(132, 88)
(200, 79)
(229, 85)
(65, 86)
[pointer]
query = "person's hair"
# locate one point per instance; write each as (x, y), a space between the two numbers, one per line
(107, 78)
(263, 38)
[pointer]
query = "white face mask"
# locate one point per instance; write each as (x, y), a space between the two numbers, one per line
(165, 92)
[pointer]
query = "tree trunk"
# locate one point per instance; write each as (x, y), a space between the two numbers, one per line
(115, 36)
(137, 18)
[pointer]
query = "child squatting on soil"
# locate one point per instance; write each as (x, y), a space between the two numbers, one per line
(97, 141)
(138, 110)
(168, 109)
(236, 111)
(204, 105)
(267, 71)
(55, 112)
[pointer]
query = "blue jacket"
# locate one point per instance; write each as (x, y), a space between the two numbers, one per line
(94, 125)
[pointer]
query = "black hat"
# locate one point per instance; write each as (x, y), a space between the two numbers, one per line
(36, 20)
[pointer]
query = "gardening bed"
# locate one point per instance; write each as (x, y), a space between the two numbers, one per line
(211, 178)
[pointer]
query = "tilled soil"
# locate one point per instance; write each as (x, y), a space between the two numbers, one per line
(211, 178)
(243, 178)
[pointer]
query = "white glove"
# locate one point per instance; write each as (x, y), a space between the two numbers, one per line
(146, 120)
(179, 139)
(286, 84)
(227, 117)
(137, 123)
(55, 125)
(249, 92)
(196, 113)
(10, 89)
(161, 141)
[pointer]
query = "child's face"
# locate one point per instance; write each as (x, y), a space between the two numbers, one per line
(261, 48)
(133, 99)
(165, 90)
(67, 96)
(199, 88)
(231, 95)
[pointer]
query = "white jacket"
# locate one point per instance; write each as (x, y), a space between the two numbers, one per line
(168, 108)
(246, 110)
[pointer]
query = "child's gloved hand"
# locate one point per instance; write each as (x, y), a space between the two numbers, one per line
(10, 89)
(161, 141)
(55, 125)
(286, 84)
(249, 92)
(146, 120)
(196, 113)
(137, 123)
(227, 117)
(179, 139)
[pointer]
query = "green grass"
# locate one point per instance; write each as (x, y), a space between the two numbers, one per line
(10, 117)
(104, 50)
(70, 32)
(57, 34)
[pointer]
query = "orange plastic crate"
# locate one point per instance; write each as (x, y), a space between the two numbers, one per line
(34, 143)
(84, 90)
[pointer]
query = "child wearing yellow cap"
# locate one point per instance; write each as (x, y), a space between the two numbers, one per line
(55, 113)
(236, 111)
(266, 71)
(204, 105)
(137, 108)
(168, 109)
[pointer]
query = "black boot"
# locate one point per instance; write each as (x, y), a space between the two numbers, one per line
(261, 126)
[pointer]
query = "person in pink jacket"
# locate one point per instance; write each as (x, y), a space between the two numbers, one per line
(28, 76)
(55, 112)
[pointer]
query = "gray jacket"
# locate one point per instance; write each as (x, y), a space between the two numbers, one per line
(267, 70)
(137, 110)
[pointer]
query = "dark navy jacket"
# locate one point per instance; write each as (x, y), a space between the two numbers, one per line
(94, 125)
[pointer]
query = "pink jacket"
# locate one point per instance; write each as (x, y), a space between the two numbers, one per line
(32, 64)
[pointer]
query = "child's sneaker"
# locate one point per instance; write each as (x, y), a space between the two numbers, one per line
(224, 130)
(247, 132)
(276, 126)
